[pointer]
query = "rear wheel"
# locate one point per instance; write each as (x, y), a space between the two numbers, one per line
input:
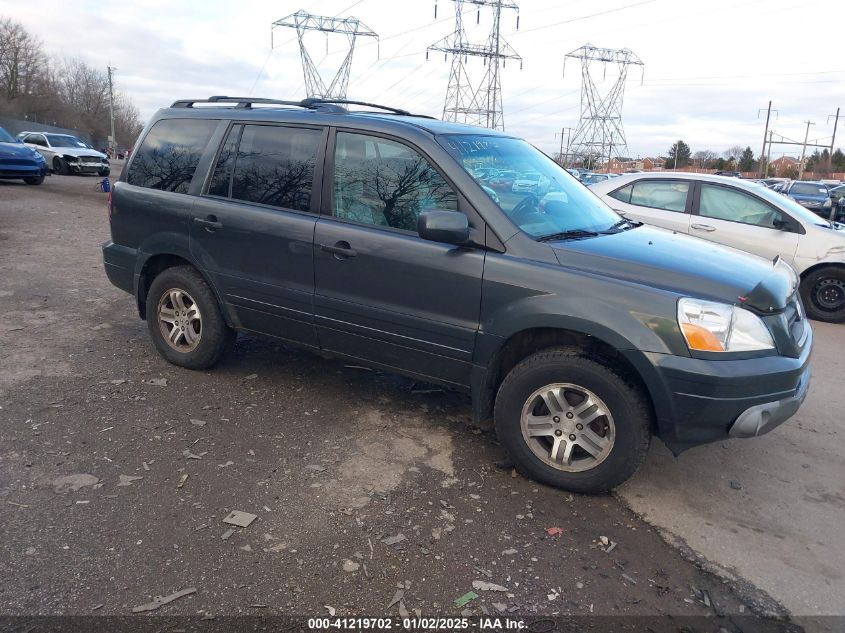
(571, 422)
(823, 294)
(59, 166)
(34, 180)
(184, 319)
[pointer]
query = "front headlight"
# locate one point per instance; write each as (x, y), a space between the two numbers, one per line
(720, 327)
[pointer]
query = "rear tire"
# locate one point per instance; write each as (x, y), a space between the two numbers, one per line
(823, 294)
(60, 166)
(611, 425)
(184, 319)
(34, 180)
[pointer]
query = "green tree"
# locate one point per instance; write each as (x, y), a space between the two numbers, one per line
(838, 160)
(746, 160)
(679, 155)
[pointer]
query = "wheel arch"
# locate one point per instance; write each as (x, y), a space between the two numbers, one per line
(809, 271)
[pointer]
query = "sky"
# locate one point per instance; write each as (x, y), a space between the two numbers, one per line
(709, 67)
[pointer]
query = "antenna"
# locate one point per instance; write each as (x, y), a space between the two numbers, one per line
(479, 103)
(303, 21)
(601, 115)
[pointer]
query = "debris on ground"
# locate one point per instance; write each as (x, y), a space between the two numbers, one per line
(126, 480)
(241, 519)
(501, 607)
(393, 540)
(397, 598)
(196, 422)
(189, 455)
(331, 610)
(350, 565)
(509, 552)
(159, 601)
(316, 468)
(483, 585)
(629, 579)
(228, 534)
(554, 531)
(74, 482)
(466, 598)
(157, 382)
(251, 377)
(182, 480)
(226, 464)
(735, 484)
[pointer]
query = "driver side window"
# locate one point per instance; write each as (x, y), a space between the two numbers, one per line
(733, 205)
(382, 182)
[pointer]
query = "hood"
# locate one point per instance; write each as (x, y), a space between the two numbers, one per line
(17, 150)
(78, 151)
(682, 264)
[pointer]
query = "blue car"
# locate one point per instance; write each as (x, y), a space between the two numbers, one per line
(815, 196)
(18, 161)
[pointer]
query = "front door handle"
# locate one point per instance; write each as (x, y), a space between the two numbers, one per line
(703, 227)
(210, 223)
(340, 249)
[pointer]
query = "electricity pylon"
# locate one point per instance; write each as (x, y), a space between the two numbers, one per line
(600, 132)
(479, 103)
(303, 21)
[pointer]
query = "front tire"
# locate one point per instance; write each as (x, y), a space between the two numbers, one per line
(571, 422)
(184, 319)
(104, 172)
(34, 180)
(823, 294)
(60, 166)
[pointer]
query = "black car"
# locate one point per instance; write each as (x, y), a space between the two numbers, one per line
(366, 235)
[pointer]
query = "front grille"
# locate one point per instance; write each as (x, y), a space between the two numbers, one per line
(26, 162)
(90, 159)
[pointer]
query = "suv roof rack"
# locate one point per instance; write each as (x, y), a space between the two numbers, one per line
(312, 103)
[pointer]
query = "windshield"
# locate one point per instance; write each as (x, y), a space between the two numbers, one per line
(544, 199)
(64, 140)
(5, 137)
(808, 189)
(789, 205)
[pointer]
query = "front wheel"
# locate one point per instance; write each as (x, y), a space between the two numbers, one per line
(184, 319)
(571, 422)
(823, 294)
(34, 180)
(60, 166)
(104, 172)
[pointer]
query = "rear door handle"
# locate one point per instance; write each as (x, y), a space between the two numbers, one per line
(340, 249)
(210, 223)
(703, 227)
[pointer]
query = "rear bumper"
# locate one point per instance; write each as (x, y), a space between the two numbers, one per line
(119, 262)
(707, 401)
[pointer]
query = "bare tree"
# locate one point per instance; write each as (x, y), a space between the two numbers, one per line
(21, 60)
(704, 156)
(733, 153)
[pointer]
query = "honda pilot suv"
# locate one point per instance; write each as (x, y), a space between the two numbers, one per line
(367, 235)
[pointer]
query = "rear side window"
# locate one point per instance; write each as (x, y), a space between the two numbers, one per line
(669, 195)
(169, 154)
(274, 165)
(727, 203)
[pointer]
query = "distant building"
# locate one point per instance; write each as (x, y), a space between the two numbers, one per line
(652, 163)
(783, 165)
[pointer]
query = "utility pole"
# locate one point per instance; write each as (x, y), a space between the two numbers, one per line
(832, 139)
(111, 113)
(675, 160)
(804, 150)
(765, 133)
(564, 158)
(769, 155)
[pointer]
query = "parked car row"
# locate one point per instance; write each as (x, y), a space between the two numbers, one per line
(66, 154)
(747, 216)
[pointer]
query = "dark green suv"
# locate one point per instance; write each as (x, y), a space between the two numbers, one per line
(367, 235)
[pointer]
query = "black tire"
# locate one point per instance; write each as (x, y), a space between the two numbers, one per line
(823, 294)
(34, 180)
(60, 166)
(104, 172)
(215, 336)
(628, 406)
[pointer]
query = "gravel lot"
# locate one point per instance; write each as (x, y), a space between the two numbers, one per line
(117, 470)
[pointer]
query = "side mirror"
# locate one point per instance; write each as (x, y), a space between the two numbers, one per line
(784, 225)
(449, 227)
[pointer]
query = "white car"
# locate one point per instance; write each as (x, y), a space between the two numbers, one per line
(531, 182)
(66, 154)
(746, 216)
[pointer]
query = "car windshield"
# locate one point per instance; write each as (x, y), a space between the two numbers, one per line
(5, 137)
(64, 140)
(552, 204)
(790, 206)
(808, 189)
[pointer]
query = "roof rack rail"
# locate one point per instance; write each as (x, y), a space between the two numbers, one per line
(313, 101)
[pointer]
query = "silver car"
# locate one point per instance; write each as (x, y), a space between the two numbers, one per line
(746, 216)
(66, 154)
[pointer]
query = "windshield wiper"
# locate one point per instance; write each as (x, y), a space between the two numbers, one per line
(574, 234)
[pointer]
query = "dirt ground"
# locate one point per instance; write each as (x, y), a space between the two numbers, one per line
(373, 495)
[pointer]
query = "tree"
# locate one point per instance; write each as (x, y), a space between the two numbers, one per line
(732, 154)
(746, 160)
(838, 160)
(704, 157)
(21, 60)
(679, 155)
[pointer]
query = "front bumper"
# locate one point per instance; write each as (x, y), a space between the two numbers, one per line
(23, 171)
(87, 168)
(711, 400)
